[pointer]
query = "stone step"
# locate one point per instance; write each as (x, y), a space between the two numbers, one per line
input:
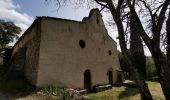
(102, 88)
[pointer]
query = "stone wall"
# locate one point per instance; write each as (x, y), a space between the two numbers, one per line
(31, 65)
(18, 62)
(55, 55)
(63, 62)
(30, 41)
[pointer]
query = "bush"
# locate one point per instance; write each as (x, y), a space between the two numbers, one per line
(61, 92)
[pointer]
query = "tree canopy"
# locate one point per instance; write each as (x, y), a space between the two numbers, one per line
(8, 32)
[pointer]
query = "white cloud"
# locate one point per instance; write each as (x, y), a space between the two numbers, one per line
(8, 10)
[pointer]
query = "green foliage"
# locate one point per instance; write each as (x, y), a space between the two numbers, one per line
(124, 66)
(8, 32)
(151, 70)
(4, 66)
(14, 85)
(61, 92)
(1, 70)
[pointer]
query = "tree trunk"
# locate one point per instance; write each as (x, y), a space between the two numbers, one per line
(136, 48)
(162, 63)
(160, 60)
(168, 39)
(163, 72)
(143, 88)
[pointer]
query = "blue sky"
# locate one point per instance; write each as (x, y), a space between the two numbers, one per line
(41, 8)
(23, 13)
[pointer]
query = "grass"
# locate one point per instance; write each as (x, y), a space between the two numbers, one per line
(123, 93)
(54, 93)
(116, 93)
(156, 90)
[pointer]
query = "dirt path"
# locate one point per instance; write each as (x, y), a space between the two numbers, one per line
(34, 96)
(5, 97)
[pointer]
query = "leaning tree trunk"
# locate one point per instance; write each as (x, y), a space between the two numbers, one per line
(160, 61)
(143, 88)
(136, 48)
(168, 39)
(163, 72)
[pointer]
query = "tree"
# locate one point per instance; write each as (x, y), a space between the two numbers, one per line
(136, 48)
(116, 14)
(157, 18)
(8, 32)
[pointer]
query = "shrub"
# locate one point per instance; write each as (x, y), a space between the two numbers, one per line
(61, 92)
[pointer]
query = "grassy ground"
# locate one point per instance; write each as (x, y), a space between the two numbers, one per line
(20, 91)
(123, 93)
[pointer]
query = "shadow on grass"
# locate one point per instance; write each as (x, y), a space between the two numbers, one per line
(15, 87)
(128, 92)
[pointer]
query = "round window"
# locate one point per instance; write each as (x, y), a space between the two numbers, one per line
(82, 43)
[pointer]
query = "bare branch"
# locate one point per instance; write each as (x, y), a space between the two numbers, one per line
(161, 16)
(120, 2)
(157, 9)
(101, 2)
(142, 32)
(125, 16)
(150, 11)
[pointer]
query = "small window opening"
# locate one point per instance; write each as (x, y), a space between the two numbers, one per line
(110, 52)
(97, 20)
(82, 44)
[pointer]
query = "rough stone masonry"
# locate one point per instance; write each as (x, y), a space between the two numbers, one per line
(67, 53)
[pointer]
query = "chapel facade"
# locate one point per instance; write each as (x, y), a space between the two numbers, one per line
(76, 54)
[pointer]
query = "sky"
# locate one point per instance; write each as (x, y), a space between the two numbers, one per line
(24, 12)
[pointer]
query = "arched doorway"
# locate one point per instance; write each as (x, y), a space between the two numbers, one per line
(110, 76)
(87, 80)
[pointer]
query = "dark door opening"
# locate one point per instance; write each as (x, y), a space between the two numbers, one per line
(110, 77)
(87, 80)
